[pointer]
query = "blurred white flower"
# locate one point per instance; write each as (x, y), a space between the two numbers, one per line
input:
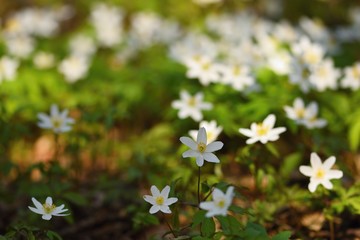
(305, 115)
(8, 67)
(200, 149)
(206, 2)
(48, 209)
(315, 29)
(320, 173)
(202, 68)
(20, 46)
(309, 53)
(44, 60)
(212, 130)
(285, 32)
(107, 21)
(299, 74)
(74, 68)
(238, 76)
(82, 45)
(191, 106)
(56, 121)
(220, 202)
(352, 77)
(324, 75)
(144, 27)
(263, 132)
(160, 200)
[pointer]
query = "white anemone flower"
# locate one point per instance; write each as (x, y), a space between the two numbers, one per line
(263, 132)
(320, 173)
(324, 75)
(160, 200)
(220, 203)
(200, 149)
(44, 60)
(303, 115)
(191, 106)
(212, 130)
(74, 68)
(203, 68)
(8, 68)
(48, 209)
(57, 121)
(352, 77)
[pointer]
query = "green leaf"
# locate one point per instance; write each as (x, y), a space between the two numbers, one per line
(53, 235)
(208, 227)
(230, 225)
(237, 209)
(272, 149)
(354, 135)
(198, 217)
(254, 231)
(290, 163)
(282, 236)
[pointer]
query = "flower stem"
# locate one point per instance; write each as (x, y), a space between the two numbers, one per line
(169, 226)
(198, 191)
(332, 232)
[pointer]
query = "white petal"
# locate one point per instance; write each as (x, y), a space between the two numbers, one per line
(327, 184)
(189, 142)
(37, 204)
(49, 201)
(328, 163)
(200, 160)
(36, 210)
(46, 216)
(154, 209)
(165, 209)
(210, 157)
(313, 185)
(246, 132)
(154, 191)
(54, 110)
(306, 170)
(207, 205)
(278, 130)
(165, 192)
(201, 137)
(214, 146)
(190, 153)
(149, 199)
(217, 194)
(270, 121)
(334, 174)
(252, 140)
(229, 193)
(298, 103)
(315, 160)
(170, 201)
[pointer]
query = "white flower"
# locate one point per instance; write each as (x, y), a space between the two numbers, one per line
(305, 115)
(320, 173)
(8, 68)
(212, 130)
(44, 60)
(74, 68)
(220, 204)
(237, 76)
(352, 77)
(202, 68)
(309, 53)
(200, 149)
(160, 200)
(264, 131)
(48, 209)
(191, 106)
(57, 121)
(20, 45)
(324, 75)
(82, 45)
(206, 2)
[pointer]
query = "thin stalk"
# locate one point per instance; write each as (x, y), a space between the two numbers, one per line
(198, 190)
(169, 226)
(332, 230)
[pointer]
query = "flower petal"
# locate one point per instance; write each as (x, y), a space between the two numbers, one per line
(217, 194)
(46, 216)
(37, 204)
(214, 146)
(201, 137)
(334, 174)
(154, 191)
(327, 165)
(189, 142)
(306, 170)
(246, 132)
(190, 153)
(327, 184)
(165, 192)
(270, 121)
(149, 199)
(207, 205)
(154, 209)
(315, 160)
(49, 201)
(210, 157)
(170, 201)
(313, 185)
(200, 160)
(36, 210)
(165, 209)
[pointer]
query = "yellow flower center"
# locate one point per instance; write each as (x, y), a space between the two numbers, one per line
(48, 209)
(221, 203)
(192, 102)
(56, 122)
(300, 113)
(159, 200)
(356, 72)
(201, 147)
(261, 129)
(206, 66)
(320, 174)
(236, 70)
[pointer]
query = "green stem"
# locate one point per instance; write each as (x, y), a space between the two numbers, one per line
(198, 190)
(332, 230)
(169, 226)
